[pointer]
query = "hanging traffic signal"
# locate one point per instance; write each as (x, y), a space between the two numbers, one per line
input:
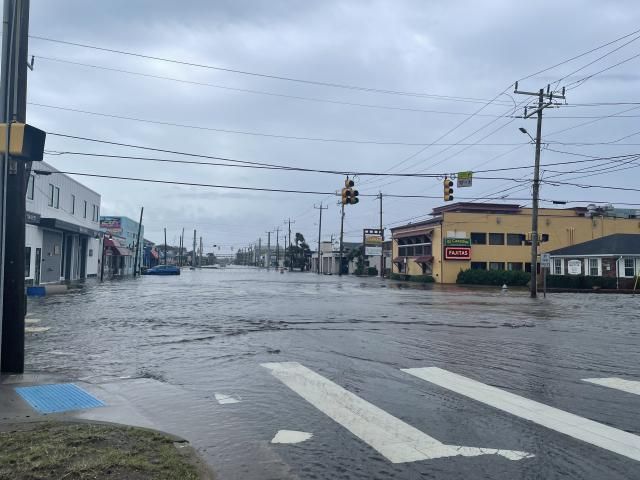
(349, 195)
(448, 189)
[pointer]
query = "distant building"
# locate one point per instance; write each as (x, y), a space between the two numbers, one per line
(122, 233)
(494, 236)
(330, 258)
(151, 256)
(63, 237)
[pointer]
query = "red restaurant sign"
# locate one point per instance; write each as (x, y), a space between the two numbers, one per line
(457, 253)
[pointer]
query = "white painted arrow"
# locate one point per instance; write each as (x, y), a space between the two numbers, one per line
(396, 440)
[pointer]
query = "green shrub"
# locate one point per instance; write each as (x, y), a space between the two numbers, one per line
(583, 282)
(493, 277)
(372, 271)
(412, 278)
(398, 276)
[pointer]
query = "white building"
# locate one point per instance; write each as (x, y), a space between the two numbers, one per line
(63, 239)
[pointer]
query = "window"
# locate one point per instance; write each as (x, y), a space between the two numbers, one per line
(496, 265)
(515, 239)
(496, 239)
(51, 191)
(594, 269)
(478, 238)
(629, 267)
(85, 209)
(27, 261)
(544, 237)
(478, 265)
(57, 198)
(557, 266)
(514, 266)
(93, 213)
(30, 187)
(527, 267)
(73, 204)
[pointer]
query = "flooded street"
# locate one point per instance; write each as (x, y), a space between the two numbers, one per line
(230, 331)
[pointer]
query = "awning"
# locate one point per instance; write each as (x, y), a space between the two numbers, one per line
(399, 259)
(116, 248)
(424, 259)
(58, 224)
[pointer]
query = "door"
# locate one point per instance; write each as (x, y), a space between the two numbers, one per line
(52, 256)
(83, 257)
(37, 266)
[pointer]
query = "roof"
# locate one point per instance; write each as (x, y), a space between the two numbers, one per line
(424, 223)
(616, 244)
(477, 207)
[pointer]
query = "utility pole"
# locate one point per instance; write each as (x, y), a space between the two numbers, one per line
(382, 233)
(181, 251)
(193, 255)
(135, 262)
(268, 250)
(15, 175)
(278, 247)
(259, 261)
(290, 256)
(542, 97)
(165, 246)
(341, 236)
(319, 269)
(200, 262)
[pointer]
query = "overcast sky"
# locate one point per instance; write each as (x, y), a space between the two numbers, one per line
(464, 49)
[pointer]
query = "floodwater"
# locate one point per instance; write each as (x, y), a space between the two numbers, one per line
(209, 331)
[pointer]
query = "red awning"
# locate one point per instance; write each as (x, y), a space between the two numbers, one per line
(424, 259)
(399, 259)
(154, 254)
(116, 248)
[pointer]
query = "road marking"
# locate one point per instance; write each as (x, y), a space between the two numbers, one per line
(291, 436)
(595, 433)
(617, 383)
(225, 399)
(396, 440)
(36, 329)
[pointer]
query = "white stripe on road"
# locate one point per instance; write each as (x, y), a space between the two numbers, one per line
(396, 440)
(617, 383)
(575, 426)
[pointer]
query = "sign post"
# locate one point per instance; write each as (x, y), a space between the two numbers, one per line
(545, 264)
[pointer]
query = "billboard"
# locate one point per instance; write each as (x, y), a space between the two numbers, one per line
(111, 224)
(372, 251)
(372, 239)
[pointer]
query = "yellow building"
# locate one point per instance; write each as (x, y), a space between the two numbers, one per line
(461, 236)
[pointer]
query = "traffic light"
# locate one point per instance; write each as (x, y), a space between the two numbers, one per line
(448, 189)
(349, 195)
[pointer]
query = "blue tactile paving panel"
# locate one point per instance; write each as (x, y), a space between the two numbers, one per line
(60, 397)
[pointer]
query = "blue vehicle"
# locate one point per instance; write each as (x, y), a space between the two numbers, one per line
(163, 270)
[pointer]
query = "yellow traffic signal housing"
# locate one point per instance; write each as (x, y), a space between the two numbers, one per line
(349, 196)
(448, 189)
(344, 196)
(25, 141)
(348, 183)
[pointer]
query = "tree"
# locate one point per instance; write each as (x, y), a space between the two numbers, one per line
(300, 254)
(357, 254)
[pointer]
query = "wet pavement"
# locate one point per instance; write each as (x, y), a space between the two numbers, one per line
(208, 355)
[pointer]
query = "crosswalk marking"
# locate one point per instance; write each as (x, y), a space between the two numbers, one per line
(575, 426)
(396, 440)
(630, 386)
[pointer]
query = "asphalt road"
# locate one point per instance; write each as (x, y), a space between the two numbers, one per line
(390, 380)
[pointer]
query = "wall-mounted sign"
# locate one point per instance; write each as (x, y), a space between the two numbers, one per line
(111, 223)
(574, 267)
(373, 251)
(373, 240)
(457, 242)
(457, 253)
(464, 179)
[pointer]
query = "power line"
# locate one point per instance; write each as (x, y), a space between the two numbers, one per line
(255, 74)
(578, 83)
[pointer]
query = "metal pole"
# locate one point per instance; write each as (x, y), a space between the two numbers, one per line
(319, 269)
(259, 260)
(341, 235)
(200, 257)
(165, 246)
(544, 282)
(268, 250)
(135, 261)
(193, 255)
(181, 250)
(536, 193)
(278, 247)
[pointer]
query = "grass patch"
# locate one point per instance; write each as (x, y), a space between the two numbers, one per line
(81, 451)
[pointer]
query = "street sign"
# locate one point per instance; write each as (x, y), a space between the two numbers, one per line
(545, 260)
(457, 242)
(464, 179)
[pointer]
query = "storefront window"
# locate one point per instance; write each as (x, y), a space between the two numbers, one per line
(557, 266)
(594, 271)
(629, 267)
(496, 239)
(514, 266)
(478, 265)
(515, 239)
(496, 265)
(478, 238)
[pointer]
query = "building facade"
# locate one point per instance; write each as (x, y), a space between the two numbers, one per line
(461, 236)
(63, 238)
(120, 256)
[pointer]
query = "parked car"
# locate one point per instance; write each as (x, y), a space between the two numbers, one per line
(163, 270)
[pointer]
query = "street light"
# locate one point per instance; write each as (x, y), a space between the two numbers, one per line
(524, 130)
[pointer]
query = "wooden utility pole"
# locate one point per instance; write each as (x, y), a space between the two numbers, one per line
(382, 236)
(268, 250)
(341, 237)
(193, 255)
(278, 247)
(320, 208)
(549, 97)
(135, 262)
(290, 256)
(14, 178)
(165, 246)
